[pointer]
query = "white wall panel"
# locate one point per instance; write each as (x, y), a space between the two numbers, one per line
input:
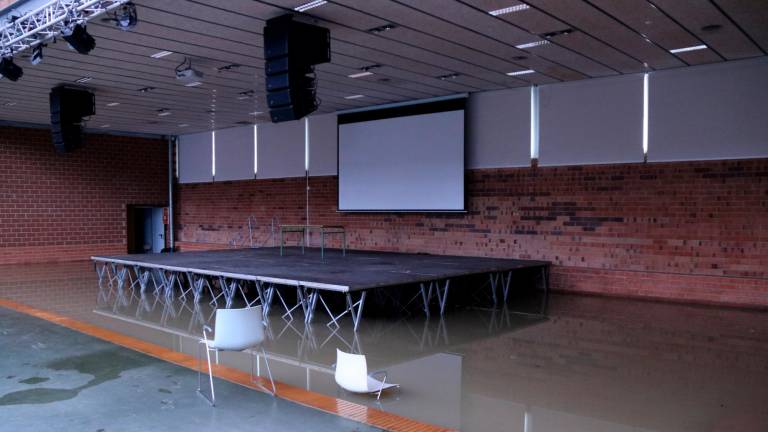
(234, 153)
(323, 143)
(709, 112)
(195, 158)
(499, 129)
(594, 121)
(281, 150)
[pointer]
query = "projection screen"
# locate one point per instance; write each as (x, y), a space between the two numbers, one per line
(410, 163)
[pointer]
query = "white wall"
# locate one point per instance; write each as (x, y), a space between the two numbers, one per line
(710, 112)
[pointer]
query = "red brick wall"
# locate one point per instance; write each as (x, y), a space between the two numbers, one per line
(57, 207)
(692, 231)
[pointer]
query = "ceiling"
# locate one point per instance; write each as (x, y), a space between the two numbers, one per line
(437, 47)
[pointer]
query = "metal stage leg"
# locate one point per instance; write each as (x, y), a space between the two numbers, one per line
(301, 301)
(142, 276)
(102, 273)
(494, 281)
(545, 282)
(355, 309)
(505, 285)
(230, 289)
(441, 291)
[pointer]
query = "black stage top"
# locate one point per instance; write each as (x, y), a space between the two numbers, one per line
(358, 270)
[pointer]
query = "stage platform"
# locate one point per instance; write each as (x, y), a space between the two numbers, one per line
(357, 272)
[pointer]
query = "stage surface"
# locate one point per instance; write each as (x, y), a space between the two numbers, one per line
(355, 271)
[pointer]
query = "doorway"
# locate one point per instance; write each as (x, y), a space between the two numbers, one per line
(145, 229)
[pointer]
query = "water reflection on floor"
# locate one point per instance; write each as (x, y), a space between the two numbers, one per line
(594, 365)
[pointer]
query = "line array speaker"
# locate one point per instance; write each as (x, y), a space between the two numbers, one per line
(291, 51)
(68, 107)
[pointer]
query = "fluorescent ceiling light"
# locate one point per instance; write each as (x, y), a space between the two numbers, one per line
(161, 54)
(8, 104)
(310, 5)
(163, 112)
(183, 125)
(360, 74)
(105, 126)
(111, 104)
(532, 44)
(193, 84)
(690, 48)
(83, 79)
(354, 97)
(255, 113)
(511, 9)
(522, 72)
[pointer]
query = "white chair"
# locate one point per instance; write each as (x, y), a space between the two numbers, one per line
(236, 330)
(352, 375)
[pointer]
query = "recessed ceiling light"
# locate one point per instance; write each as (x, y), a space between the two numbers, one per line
(448, 76)
(690, 48)
(532, 44)
(382, 29)
(111, 104)
(183, 125)
(552, 34)
(84, 79)
(310, 5)
(357, 96)
(510, 9)
(105, 126)
(193, 84)
(522, 72)
(360, 74)
(161, 54)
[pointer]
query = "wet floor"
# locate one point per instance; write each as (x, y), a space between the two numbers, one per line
(593, 364)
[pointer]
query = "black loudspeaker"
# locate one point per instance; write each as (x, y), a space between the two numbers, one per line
(68, 107)
(291, 50)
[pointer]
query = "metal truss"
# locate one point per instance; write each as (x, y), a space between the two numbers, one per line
(48, 21)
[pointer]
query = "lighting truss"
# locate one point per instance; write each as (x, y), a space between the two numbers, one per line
(48, 21)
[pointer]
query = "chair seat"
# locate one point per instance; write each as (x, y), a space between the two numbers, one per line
(374, 385)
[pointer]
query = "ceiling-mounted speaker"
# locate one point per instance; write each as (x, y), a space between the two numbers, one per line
(291, 51)
(68, 107)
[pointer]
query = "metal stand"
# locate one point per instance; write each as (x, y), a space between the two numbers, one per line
(354, 308)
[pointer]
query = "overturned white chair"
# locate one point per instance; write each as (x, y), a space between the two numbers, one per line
(235, 330)
(352, 375)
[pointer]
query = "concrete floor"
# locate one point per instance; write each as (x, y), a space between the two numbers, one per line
(56, 379)
(595, 365)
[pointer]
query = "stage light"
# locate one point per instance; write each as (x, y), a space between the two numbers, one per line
(79, 39)
(37, 54)
(8, 69)
(126, 16)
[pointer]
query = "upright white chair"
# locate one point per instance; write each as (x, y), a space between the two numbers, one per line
(236, 330)
(352, 375)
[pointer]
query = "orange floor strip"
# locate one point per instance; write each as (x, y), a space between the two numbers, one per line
(339, 407)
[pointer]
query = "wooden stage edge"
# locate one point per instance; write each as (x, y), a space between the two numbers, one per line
(339, 407)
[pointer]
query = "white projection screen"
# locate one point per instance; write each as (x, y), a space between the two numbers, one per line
(409, 163)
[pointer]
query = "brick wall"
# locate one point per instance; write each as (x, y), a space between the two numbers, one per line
(693, 231)
(57, 207)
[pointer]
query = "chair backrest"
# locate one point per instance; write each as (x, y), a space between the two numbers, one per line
(351, 371)
(238, 329)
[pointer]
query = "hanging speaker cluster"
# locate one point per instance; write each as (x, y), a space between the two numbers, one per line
(292, 49)
(68, 107)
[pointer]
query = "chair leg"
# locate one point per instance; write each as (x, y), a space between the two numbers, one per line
(211, 400)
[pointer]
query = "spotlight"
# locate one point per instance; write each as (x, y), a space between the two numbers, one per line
(184, 72)
(37, 54)
(10, 70)
(125, 17)
(79, 39)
